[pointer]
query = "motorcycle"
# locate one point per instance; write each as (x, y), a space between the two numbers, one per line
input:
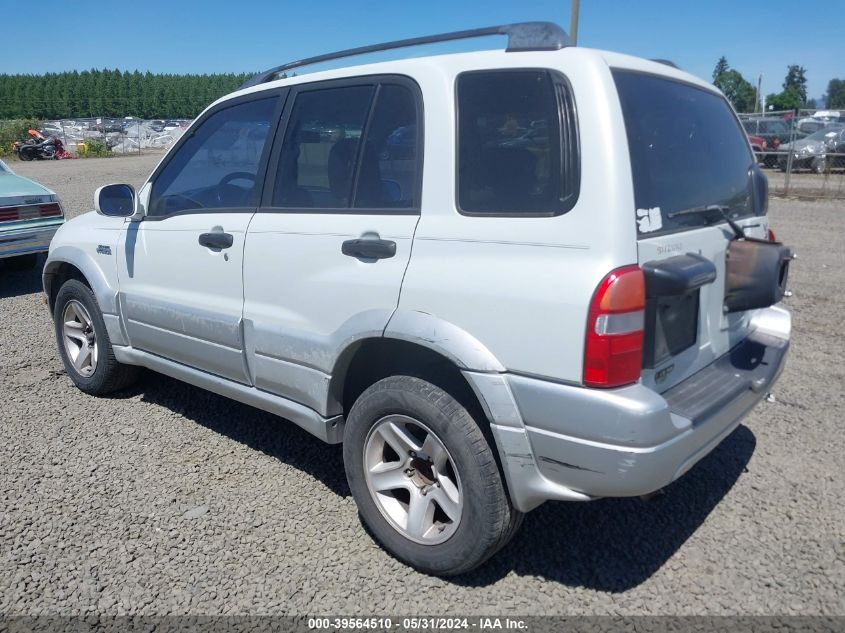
(40, 147)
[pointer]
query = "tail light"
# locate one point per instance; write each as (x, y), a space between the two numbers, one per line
(771, 235)
(613, 352)
(50, 210)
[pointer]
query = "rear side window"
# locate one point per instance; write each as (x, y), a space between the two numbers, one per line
(687, 151)
(517, 144)
(217, 166)
(352, 147)
(319, 154)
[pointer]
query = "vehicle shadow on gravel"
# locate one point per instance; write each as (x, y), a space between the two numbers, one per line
(608, 545)
(615, 544)
(252, 427)
(16, 283)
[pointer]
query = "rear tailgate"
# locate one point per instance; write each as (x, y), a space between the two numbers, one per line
(689, 154)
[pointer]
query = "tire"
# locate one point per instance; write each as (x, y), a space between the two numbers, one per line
(21, 262)
(98, 373)
(819, 165)
(450, 470)
(25, 154)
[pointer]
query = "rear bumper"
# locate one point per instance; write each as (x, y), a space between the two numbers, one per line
(577, 443)
(26, 240)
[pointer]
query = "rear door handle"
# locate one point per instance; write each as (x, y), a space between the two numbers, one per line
(216, 240)
(369, 249)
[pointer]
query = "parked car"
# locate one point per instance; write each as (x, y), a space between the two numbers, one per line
(52, 129)
(484, 328)
(111, 126)
(830, 116)
(775, 131)
(759, 145)
(818, 152)
(30, 214)
(808, 125)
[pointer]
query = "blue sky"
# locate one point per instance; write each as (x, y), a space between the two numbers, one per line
(756, 36)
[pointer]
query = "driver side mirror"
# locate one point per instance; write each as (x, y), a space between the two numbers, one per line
(117, 201)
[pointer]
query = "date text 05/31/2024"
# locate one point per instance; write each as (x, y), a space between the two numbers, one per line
(417, 623)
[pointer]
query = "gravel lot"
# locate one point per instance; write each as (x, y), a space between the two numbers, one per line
(169, 499)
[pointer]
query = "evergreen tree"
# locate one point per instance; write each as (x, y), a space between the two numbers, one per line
(739, 92)
(797, 81)
(835, 97)
(794, 95)
(721, 68)
(111, 93)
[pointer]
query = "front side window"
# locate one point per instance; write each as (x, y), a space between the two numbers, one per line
(217, 166)
(349, 147)
(512, 156)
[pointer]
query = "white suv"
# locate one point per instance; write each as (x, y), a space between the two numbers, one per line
(499, 278)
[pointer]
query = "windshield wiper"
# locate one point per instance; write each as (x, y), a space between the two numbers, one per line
(721, 209)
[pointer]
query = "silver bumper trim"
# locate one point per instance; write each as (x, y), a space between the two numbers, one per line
(23, 241)
(574, 443)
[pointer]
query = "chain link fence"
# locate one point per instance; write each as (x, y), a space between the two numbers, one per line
(99, 136)
(803, 152)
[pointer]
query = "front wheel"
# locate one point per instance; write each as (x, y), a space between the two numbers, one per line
(425, 477)
(819, 164)
(84, 343)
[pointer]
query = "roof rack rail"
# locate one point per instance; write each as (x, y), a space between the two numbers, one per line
(522, 36)
(666, 62)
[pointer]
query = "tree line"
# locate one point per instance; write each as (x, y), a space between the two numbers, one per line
(111, 93)
(744, 96)
(115, 93)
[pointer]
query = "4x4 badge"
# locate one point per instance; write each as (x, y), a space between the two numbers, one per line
(102, 249)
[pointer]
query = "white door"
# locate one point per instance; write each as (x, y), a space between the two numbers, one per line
(181, 268)
(327, 250)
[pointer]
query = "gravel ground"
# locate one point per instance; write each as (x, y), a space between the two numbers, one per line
(806, 184)
(169, 499)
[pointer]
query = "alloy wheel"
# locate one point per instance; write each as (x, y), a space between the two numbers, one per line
(79, 338)
(412, 479)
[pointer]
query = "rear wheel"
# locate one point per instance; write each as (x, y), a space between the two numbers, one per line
(425, 477)
(84, 343)
(21, 262)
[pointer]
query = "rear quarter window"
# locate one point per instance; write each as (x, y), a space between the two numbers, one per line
(517, 144)
(687, 150)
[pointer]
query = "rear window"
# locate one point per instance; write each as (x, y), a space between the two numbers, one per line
(687, 151)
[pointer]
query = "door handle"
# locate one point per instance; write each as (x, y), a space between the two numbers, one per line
(216, 240)
(369, 249)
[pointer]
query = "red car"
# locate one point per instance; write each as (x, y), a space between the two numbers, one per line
(759, 145)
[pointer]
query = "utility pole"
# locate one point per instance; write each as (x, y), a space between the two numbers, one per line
(759, 97)
(573, 22)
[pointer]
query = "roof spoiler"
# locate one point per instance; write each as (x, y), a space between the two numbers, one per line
(522, 36)
(666, 62)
